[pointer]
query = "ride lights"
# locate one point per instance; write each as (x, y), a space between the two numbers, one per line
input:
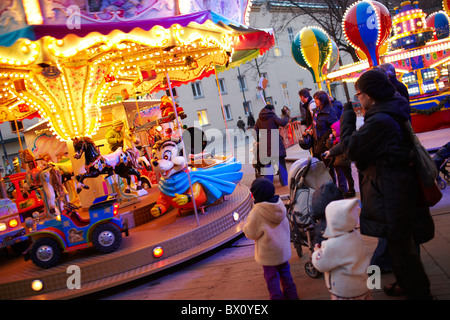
(13, 223)
(235, 216)
(158, 252)
(115, 209)
(37, 285)
(2, 226)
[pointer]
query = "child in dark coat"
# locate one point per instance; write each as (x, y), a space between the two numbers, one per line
(325, 194)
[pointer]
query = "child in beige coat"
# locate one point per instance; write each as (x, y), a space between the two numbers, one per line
(267, 224)
(343, 257)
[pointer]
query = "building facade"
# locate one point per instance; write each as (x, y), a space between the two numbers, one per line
(238, 86)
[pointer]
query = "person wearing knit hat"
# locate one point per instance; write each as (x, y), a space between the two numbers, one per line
(268, 225)
(381, 151)
(114, 135)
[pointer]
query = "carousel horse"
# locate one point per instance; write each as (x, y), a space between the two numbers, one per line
(49, 179)
(117, 162)
(64, 165)
(130, 141)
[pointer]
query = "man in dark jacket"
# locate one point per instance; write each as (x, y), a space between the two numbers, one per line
(389, 69)
(251, 120)
(241, 125)
(267, 129)
(389, 209)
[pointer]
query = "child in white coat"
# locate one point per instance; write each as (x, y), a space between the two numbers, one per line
(343, 257)
(267, 224)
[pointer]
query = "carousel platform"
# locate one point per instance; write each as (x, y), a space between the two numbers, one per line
(180, 236)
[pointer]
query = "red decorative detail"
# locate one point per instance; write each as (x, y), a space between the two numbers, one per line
(110, 78)
(148, 75)
(435, 121)
(23, 107)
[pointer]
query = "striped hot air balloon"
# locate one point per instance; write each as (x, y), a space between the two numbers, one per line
(367, 26)
(312, 49)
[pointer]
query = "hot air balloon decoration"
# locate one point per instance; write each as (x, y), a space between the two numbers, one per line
(312, 49)
(367, 26)
(333, 60)
(441, 24)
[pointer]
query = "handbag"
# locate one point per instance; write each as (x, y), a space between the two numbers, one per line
(425, 170)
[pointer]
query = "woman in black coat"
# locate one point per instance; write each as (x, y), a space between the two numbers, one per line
(267, 124)
(381, 151)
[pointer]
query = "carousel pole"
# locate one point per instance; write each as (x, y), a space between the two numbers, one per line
(181, 135)
(18, 134)
(221, 104)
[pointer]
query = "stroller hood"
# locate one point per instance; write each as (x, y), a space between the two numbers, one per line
(316, 176)
(341, 216)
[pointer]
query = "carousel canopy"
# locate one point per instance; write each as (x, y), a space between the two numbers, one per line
(68, 58)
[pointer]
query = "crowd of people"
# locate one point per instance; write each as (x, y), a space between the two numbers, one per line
(387, 208)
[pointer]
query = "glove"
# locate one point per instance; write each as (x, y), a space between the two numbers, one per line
(348, 106)
(181, 199)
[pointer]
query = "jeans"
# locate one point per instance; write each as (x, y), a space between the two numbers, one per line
(282, 171)
(381, 256)
(274, 275)
(344, 177)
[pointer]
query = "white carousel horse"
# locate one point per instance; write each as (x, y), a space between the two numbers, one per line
(130, 140)
(49, 179)
(64, 165)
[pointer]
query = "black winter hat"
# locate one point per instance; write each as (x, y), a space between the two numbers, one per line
(375, 84)
(262, 190)
(325, 194)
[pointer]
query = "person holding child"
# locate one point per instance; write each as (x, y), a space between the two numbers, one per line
(268, 225)
(343, 257)
(381, 150)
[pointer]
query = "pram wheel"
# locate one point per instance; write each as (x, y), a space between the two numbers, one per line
(441, 183)
(311, 271)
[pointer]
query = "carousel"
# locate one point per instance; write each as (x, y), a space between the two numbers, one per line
(419, 50)
(116, 213)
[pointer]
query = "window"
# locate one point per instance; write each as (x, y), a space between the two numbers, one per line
(285, 94)
(242, 83)
(174, 92)
(223, 87)
(227, 111)
(269, 100)
(247, 107)
(203, 117)
(300, 84)
(197, 89)
(291, 35)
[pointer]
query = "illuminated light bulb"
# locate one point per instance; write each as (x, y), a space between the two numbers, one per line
(37, 285)
(158, 252)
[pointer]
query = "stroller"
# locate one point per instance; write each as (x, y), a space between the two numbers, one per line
(305, 176)
(441, 159)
